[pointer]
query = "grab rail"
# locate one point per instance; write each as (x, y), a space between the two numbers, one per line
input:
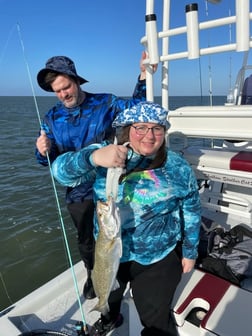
(150, 40)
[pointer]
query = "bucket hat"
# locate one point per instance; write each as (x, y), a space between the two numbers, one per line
(145, 112)
(61, 65)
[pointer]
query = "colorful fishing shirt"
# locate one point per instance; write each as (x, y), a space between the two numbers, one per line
(71, 129)
(158, 207)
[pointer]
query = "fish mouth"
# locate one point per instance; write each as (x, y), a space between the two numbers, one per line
(108, 218)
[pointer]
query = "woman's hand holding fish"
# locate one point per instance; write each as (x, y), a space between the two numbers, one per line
(110, 156)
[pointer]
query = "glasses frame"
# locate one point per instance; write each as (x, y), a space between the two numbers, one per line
(149, 128)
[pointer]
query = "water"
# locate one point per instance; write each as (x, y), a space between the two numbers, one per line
(32, 250)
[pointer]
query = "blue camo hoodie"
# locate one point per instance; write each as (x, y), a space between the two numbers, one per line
(158, 207)
(74, 128)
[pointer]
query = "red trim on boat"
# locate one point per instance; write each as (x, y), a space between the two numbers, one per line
(211, 289)
(242, 161)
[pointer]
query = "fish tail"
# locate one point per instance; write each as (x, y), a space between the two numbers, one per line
(102, 308)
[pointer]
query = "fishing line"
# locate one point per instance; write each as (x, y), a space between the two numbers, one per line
(53, 183)
(6, 44)
(5, 288)
(5, 311)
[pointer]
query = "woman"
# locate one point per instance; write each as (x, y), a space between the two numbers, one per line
(159, 207)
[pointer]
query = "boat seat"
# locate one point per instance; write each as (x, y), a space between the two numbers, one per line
(242, 161)
(247, 91)
(221, 165)
(232, 122)
(229, 174)
(227, 307)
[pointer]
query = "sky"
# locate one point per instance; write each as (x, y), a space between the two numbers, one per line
(103, 39)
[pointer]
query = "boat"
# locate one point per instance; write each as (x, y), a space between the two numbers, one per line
(217, 142)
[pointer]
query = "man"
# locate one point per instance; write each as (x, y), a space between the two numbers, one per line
(77, 120)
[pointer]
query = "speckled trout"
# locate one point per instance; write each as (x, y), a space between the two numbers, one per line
(108, 251)
(108, 247)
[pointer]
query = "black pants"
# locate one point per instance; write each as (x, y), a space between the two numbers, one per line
(82, 215)
(153, 287)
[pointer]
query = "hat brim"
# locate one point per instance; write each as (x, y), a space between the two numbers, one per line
(42, 74)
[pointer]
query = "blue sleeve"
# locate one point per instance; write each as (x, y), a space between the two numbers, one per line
(140, 90)
(73, 168)
(139, 94)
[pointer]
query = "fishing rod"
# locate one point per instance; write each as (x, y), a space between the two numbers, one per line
(81, 327)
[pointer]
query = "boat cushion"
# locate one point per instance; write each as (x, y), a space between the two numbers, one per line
(219, 158)
(228, 306)
(242, 161)
(210, 289)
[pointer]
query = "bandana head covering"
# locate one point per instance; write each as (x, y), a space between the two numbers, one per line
(143, 112)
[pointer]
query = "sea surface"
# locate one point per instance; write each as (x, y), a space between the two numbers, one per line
(32, 248)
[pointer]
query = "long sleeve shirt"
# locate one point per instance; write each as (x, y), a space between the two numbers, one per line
(158, 207)
(71, 129)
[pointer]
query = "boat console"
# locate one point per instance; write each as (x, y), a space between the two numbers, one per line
(226, 165)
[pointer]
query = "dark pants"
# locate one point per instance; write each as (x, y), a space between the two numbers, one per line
(82, 215)
(153, 287)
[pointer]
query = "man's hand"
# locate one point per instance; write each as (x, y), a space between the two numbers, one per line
(43, 143)
(143, 66)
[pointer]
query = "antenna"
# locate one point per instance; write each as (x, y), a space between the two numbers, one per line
(209, 62)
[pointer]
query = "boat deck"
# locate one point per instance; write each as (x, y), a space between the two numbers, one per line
(55, 306)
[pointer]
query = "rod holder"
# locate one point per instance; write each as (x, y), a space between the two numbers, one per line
(192, 24)
(152, 38)
(242, 25)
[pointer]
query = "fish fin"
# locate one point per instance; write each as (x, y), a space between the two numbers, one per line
(103, 309)
(119, 252)
(115, 285)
